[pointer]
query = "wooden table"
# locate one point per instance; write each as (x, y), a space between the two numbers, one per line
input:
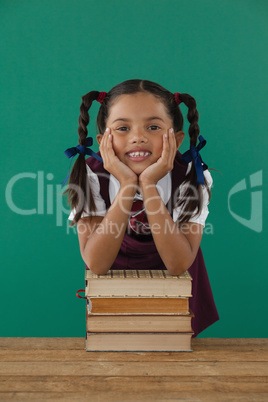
(219, 369)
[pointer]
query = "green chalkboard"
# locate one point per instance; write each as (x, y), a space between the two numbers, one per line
(52, 53)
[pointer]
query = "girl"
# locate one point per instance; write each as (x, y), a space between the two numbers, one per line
(139, 202)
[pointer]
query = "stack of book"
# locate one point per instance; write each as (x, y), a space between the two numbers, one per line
(138, 310)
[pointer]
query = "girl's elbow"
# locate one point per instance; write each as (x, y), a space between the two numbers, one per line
(176, 271)
(178, 268)
(95, 267)
(98, 271)
(182, 266)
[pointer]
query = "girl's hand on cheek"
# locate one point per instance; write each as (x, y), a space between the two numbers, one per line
(113, 164)
(152, 174)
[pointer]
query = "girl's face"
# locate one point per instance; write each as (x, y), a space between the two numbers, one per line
(138, 123)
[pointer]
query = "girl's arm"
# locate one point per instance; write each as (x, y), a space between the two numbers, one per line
(176, 246)
(100, 238)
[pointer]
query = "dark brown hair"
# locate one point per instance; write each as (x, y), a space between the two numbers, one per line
(191, 205)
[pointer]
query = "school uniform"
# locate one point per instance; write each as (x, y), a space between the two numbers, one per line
(138, 248)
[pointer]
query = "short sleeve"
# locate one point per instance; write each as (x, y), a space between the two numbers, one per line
(201, 219)
(99, 202)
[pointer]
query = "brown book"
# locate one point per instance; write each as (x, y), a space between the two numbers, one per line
(139, 323)
(138, 283)
(136, 305)
(138, 342)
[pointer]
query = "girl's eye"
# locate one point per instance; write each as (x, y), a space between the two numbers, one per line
(121, 128)
(152, 127)
(155, 127)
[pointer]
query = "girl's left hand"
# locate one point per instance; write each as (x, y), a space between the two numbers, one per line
(152, 174)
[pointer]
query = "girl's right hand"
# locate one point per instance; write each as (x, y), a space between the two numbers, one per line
(113, 164)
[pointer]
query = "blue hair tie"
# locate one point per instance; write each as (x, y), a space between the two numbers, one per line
(193, 154)
(83, 150)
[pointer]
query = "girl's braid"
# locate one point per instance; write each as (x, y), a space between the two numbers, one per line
(78, 176)
(191, 178)
(84, 116)
(192, 117)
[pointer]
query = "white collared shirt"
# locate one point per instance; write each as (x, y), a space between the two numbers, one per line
(164, 187)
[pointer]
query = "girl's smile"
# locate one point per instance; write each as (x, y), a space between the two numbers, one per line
(138, 154)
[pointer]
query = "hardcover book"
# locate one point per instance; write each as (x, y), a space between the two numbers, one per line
(137, 305)
(139, 342)
(139, 322)
(138, 283)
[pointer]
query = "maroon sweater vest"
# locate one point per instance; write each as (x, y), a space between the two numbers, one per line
(140, 251)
